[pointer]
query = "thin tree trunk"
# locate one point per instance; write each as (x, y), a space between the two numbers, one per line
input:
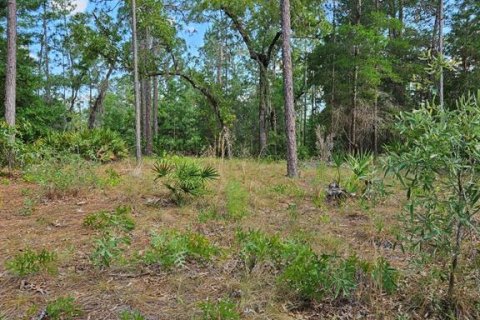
(440, 51)
(292, 169)
(375, 124)
(262, 118)
(11, 67)
(46, 52)
(138, 136)
(353, 124)
(155, 107)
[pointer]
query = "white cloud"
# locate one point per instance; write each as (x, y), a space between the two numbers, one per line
(80, 6)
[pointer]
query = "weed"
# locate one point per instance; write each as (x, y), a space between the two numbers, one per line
(112, 179)
(62, 177)
(223, 309)
(385, 276)
(236, 200)
(108, 249)
(30, 262)
(208, 214)
(292, 211)
(63, 308)
(28, 207)
(173, 249)
(131, 315)
(120, 219)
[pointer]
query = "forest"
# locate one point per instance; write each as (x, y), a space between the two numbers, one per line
(254, 159)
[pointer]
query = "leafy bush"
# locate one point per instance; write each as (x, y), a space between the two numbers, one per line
(108, 249)
(119, 219)
(30, 262)
(236, 200)
(97, 144)
(184, 177)
(438, 164)
(223, 309)
(173, 249)
(65, 176)
(63, 308)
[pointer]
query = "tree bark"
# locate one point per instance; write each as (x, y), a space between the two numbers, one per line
(292, 170)
(138, 136)
(11, 67)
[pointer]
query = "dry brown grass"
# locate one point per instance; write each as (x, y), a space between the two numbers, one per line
(276, 205)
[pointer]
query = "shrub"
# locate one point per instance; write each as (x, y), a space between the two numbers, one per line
(108, 249)
(184, 177)
(97, 144)
(30, 262)
(236, 200)
(173, 249)
(438, 164)
(120, 219)
(222, 309)
(63, 308)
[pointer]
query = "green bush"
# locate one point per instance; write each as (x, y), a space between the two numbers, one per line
(120, 219)
(30, 262)
(97, 144)
(184, 177)
(63, 308)
(222, 309)
(438, 164)
(173, 249)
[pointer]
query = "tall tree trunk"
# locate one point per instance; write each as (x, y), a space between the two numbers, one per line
(138, 135)
(11, 67)
(353, 124)
(440, 51)
(263, 107)
(155, 107)
(292, 169)
(333, 124)
(45, 51)
(97, 106)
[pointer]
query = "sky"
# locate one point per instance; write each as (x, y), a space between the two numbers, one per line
(80, 6)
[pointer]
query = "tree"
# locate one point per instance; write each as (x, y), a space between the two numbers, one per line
(138, 130)
(11, 65)
(438, 163)
(292, 170)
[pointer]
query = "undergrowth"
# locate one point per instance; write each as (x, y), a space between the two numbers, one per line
(172, 248)
(31, 262)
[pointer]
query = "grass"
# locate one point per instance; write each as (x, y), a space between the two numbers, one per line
(240, 250)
